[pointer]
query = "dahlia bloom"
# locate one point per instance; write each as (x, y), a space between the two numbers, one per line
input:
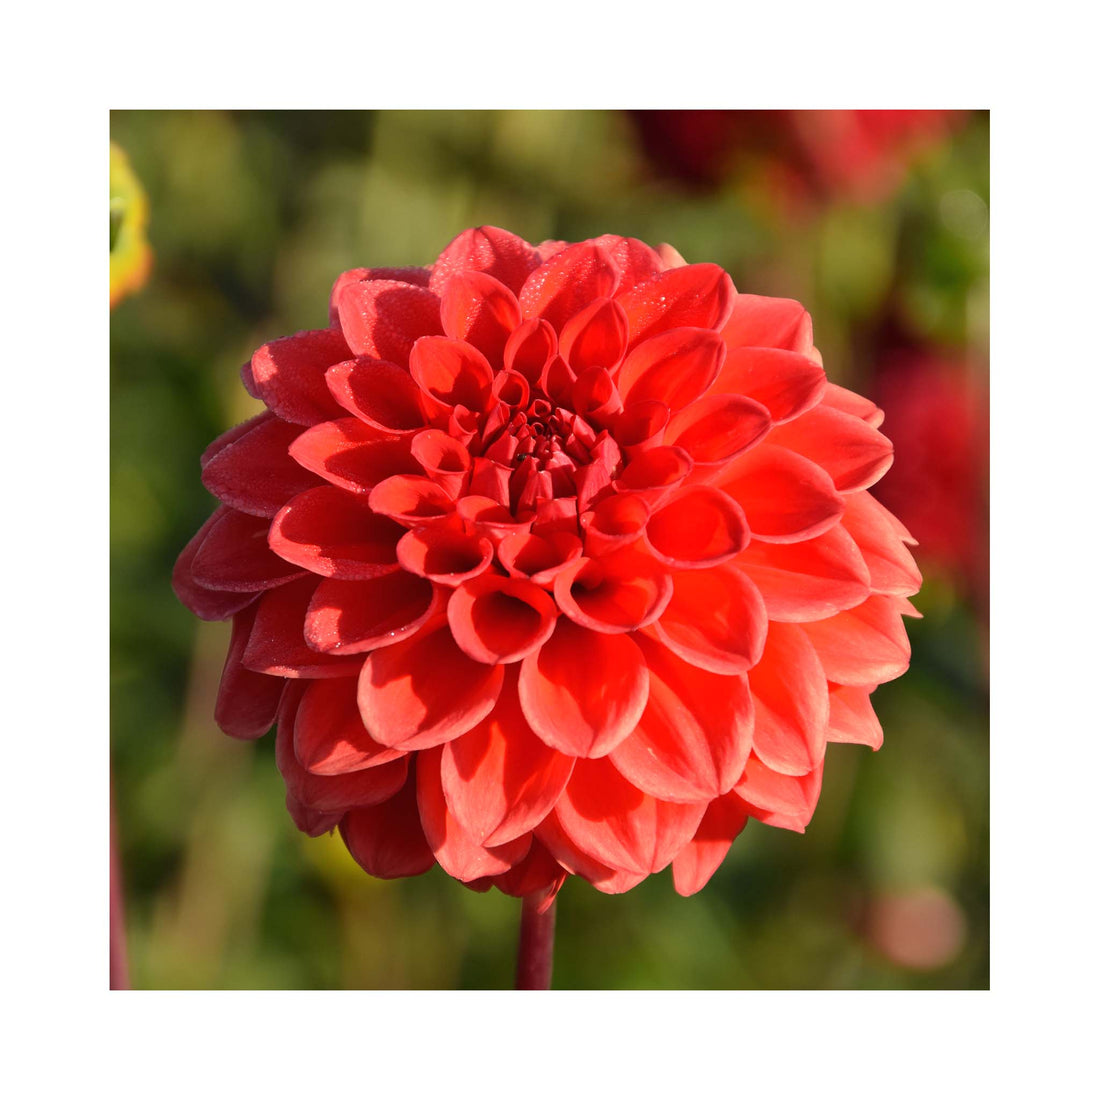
(551, 560)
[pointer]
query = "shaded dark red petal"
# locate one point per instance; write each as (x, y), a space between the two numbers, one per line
(695, 863)
(410, 500)
(329, 735)
(417, 276)
(863, 646)
(595, 337)
(695, 296)
(247, 702)
(254, 473)
(235, 556)
(531, 348)
(850, 451)
(207, 603)
(500, 620)
(383, 318)
(443, 458)
(335, 534)
(694, 736)
(574, 711)
(445, 553)
(387, 840)
(352, 455)
(538, 873)
(289, 375)
(805, 581)
(784, 382)
(425, 691)
(452, 372)
(715, 620)
(500, 779)
(455, 849)
(356, 616)
(610, 820)
(566, 284)
(791, 702)
(785, 497)
(331, 793)
(498, 253)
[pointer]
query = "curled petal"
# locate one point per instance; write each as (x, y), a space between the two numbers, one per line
(617, 521)
(445, 460)
(785, 497)
(531, 348)
(479, 309)
(614, 594)
(563, 286)
(641, 426)
(352, 455)
(784, 382)
(694, 737)
(452, 372)
(791, 702)
(654, 473)
(289, 375)
(382, 395)
(383, 318)
(387, 840)
(357, 616)
(496, 252)
(329, 735)
(718, 427)
(425, 691)
(715, 620)
(254, 473)
(805, 581)
(335, 534)
(247, 701)
(850, 451)
(676, 367)
(445, 553)
(595, 337)
(574, 711)
(760, 322)
(458, 853)
(852, 719)
(697, 861)
(610, 820)
(500, 779)
(865, 645)
(538, 557)
(697, 527)
(500, 620)
(410, 500)
(277, 644)
(695, 296)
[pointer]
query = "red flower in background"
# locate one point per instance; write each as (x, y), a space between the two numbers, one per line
(939, 419)
(551, 560)
(850, 154)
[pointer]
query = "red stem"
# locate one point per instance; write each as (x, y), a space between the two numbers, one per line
(535, 961)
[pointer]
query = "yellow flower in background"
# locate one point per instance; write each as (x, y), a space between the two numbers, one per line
(131, 256)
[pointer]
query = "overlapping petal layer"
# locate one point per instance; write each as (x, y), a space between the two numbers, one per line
(551, 560)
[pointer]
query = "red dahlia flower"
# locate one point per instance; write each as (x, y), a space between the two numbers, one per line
(551, 560)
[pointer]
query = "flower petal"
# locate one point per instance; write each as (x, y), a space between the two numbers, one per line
(695, 296)
(537, 874)
(595, 337)
(697, 527)
(852, 718)
(785, 801)
(255, 473)
(424, 691)
(247, 701)
(500, 779)
(608, 880)
(289, 375)
(610, 820)
(380, 394)
(849, 450)
(890, 565)
(785, 497)
(234, 556)
(352, 455)
(480, 310)
(387, 840)
(863, 646)
(695, 734)
(715, 620)
(335, 534)
(452, 372)
(784, 382)
(805, 581)
(498, 253)
(357, 616)
(500, 620)
(613, 594)
(455, 849)
(383, 318)
(417, 276)
(566, 284)
(675, 367)
(206, 603)
(791, 702)
(571, 709)
(759, 322)
(329, 735)
(718, 427)
(694, 865)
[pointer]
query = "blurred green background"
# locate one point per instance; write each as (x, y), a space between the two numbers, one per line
(252, 216)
